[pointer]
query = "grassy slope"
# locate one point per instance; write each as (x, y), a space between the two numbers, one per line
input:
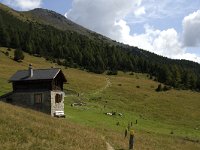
(157, 113)
(27, 129)
(21, 128)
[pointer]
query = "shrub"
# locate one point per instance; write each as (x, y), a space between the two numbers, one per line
(18, 55)
(54, 61)
(37, 55)
(166, 88)
(7, 53)
(112, 72)
(159, 88)
(59, 62)
(47, 59)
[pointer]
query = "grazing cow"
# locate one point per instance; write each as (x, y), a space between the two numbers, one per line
(110, 114)
(120, 114)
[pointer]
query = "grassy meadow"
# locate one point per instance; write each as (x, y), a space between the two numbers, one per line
(22, 128)
(165, 120)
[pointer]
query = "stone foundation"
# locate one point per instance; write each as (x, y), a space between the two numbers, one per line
(48, 105)
(56, 106)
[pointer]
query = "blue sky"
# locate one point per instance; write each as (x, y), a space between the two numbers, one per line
(60, 6)
(168, 27)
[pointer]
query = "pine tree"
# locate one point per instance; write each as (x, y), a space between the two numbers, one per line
(4, 36)
(18, 55)
(193, 81)
(176, 76)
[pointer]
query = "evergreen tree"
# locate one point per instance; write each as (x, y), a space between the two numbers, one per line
(193, 81)
(176, 76)
(4, 36)
(186, 79)
(165, 75)
(18, 55)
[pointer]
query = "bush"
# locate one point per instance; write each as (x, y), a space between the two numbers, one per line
(166, 88)
(112, 72)
(159, 88)
(18, 55)
(59, 62)
(138, 86)
(37, 55)
(47, 59)
(7, 53)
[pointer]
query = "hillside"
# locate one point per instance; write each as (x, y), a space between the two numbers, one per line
(54, 19)
(166, 120)
(52, 36)
(58, 21)
(21, 128)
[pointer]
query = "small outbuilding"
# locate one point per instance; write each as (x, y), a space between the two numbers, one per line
(40, 89)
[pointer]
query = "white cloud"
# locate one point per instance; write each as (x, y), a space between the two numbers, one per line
(189, 56)
(166, 43)
(191, 29)
(101, 15)
(140, 11)
(23, 4)
(155, 9)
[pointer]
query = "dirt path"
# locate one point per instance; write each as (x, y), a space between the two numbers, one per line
(108, 84)
(109, 147)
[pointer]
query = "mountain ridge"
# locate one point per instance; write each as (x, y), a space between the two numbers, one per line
(39, 14)
(60, 22)
(51, 35)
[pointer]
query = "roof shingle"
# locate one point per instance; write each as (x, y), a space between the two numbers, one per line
(38, 74)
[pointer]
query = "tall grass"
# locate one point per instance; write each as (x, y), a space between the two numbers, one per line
(27, 129)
